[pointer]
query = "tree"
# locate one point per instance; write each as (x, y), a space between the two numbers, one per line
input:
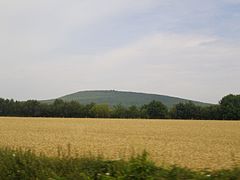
(73, 109)
(156, 110)
(100, 111)
(210, 112)
(133, 112)
(119, 111)
(230, 107)
(2, 107)
(31, 108)
(185, 111)
(88, 110)
(46, 110)
(58, 108)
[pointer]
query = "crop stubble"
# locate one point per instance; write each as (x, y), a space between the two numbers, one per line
(193, 144)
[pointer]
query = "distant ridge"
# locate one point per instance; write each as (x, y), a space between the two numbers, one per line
(112, 97)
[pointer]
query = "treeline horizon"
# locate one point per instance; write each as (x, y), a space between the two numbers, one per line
(227, 109)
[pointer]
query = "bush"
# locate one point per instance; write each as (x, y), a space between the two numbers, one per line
(18, 165)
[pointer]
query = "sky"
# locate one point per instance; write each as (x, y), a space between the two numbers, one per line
(187, 48)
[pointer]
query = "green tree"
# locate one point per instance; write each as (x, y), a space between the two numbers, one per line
(31, 108)
(73, 109)
(119, 111)
(88, 110)
(186, 111)
(100, 111)
(156, 110)
(210, 112)
(133, 112)
(58, 108)
(230, 107)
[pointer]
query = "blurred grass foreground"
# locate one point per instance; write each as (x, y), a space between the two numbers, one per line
(26, 165)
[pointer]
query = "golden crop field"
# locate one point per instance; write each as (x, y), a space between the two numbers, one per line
(194, 144)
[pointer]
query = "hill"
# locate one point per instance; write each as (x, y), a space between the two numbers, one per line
(113, 97)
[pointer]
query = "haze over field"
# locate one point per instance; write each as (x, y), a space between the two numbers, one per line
(188, 49)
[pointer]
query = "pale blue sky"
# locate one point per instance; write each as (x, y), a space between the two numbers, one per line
(187, 48)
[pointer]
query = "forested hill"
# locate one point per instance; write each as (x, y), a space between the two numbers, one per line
(112, 98)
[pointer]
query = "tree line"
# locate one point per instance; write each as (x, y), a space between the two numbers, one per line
(227, 109)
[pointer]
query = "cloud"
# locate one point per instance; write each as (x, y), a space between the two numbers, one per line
(174, 64)
(50, 48)
(232, 1)
(29, 27)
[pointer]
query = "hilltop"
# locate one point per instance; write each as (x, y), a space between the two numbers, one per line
(113, 97)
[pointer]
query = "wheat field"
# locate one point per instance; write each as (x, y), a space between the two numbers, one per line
(192, 144)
